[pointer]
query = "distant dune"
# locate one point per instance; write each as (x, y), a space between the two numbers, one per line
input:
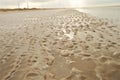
(24, 9)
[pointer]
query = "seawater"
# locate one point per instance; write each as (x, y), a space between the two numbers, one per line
(111, 13)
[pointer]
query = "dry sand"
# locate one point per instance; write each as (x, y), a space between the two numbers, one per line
(58, 45)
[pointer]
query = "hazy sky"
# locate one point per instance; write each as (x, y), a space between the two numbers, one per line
(54, 3)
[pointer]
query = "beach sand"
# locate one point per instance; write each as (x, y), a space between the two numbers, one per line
(62, 44)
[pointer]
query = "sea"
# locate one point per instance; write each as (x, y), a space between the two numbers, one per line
(111, 13)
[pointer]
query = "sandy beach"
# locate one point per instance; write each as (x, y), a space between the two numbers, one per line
(62, 44)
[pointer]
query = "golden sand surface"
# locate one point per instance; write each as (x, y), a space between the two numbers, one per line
(59, 44)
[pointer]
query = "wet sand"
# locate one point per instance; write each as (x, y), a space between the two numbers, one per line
(58, 45)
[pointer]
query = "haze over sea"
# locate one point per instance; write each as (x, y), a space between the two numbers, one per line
(111, 13)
